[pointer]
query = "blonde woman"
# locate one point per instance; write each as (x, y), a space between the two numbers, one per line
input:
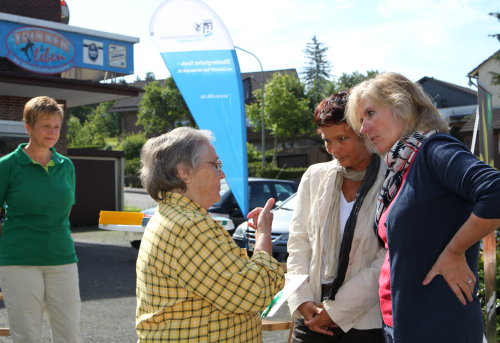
(437, 202)
(37, 255)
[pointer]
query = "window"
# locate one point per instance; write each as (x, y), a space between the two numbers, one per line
(283, 191)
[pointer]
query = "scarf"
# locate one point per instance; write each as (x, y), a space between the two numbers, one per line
(332, 223)
(398, 160)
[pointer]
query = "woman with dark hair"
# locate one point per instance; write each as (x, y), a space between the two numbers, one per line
(332, 238)
(437, 202)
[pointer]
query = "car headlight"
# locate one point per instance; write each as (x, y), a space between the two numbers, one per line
(240, 231)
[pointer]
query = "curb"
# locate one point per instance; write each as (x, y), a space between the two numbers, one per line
(134, 190)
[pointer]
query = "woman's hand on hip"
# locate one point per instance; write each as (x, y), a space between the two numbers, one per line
(455, 270)
(451, 263)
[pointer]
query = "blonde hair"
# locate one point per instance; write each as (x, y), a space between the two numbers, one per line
(40, 106)
(406, 98)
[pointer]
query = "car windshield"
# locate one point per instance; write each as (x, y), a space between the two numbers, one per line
(290, 203)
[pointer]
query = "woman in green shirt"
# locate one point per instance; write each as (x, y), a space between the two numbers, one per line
(37, 255)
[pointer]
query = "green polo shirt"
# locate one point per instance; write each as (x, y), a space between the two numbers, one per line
(36, 231)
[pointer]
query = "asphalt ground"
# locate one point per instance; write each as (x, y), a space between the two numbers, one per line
(107, 288)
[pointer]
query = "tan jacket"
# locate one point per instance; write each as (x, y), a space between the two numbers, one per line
(356, 304)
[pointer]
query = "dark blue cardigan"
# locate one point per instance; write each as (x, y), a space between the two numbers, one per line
(444, 185)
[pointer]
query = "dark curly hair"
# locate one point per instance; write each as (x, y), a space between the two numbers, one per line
(330, 111)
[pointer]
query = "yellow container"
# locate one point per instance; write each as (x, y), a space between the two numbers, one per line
(120, 218)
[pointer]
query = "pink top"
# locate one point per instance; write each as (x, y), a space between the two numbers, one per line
(384, 281)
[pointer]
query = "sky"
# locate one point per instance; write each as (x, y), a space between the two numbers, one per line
(443, 39)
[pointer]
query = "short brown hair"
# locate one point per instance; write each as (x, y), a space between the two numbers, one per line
(331, 110)
(39, 106)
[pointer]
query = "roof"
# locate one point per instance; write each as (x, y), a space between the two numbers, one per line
(452, 85)
(75, 92)
(131, 103)
(267, 75)
(469, 126)
(475, 72)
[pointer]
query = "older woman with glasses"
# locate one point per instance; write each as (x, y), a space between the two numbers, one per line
(193, 282)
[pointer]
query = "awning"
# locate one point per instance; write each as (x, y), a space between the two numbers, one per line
(74, 92)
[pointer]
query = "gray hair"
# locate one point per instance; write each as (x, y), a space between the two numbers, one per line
(160, 157)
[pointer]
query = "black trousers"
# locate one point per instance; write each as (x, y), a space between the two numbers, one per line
(302, 334)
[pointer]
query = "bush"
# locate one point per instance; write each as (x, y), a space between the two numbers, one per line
(255, 169)
(253, 154)
(132, 145)
(132, 166)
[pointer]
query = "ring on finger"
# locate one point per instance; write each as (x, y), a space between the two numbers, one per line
(469, 281)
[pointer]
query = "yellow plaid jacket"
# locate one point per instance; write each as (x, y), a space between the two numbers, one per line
(194, 284)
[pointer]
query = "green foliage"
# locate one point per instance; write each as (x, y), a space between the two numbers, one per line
(81, 112)
(132, 166)
(269, 171)
(347, 81)
(316, 73)
(83, 136)
(253, 154)
(92, 132)
(132, 145)
(109, 123)
(150, 76)
(132, 209)
(482, 290)
(161, 107)
(286, 110)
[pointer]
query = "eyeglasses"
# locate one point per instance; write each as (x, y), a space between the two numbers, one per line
(217, 164)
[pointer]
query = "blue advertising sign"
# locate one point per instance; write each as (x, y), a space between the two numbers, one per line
(200, 56)
(55, 48)
(40, 50)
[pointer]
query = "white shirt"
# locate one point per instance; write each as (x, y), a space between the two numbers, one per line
(345, 209)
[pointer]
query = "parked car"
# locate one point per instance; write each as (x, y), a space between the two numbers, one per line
(244, 236)
(259, 191)
(136, 237)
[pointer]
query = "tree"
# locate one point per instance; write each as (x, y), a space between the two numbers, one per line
(86, 135)
(107, 123)
(317, 71)
(150, 76)
(81, 112)
(286, 109)
(161, 107)
(347, 81)
(99, 124)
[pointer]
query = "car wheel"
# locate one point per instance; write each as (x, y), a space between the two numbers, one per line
(136, 244)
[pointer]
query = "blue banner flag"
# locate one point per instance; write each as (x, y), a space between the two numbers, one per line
(200, 56)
